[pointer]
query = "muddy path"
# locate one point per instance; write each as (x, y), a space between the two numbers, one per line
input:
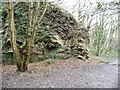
(68, 74)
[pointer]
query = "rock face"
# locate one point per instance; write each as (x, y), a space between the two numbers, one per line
(58, 31)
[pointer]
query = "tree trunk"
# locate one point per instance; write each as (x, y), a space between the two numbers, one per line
(16, 53)
(32, 28)
(22, 63)
(27, 50)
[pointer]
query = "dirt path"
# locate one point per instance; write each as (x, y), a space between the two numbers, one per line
(67, 74)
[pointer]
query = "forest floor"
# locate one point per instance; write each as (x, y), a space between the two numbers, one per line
(70, 73)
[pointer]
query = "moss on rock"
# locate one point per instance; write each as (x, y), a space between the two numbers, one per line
(58, 30)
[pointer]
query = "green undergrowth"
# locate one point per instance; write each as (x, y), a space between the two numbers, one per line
(56, 22)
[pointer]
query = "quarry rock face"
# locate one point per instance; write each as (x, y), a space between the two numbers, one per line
(58, 31)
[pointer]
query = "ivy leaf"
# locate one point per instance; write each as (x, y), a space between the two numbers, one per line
(23, 45)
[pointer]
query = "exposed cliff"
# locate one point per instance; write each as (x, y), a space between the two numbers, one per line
(58, 32)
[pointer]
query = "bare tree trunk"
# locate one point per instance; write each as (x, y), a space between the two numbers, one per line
(22, 63)
(32, 28)
(98, 48)
(16, 53)
(36, 21)
(27, 50)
